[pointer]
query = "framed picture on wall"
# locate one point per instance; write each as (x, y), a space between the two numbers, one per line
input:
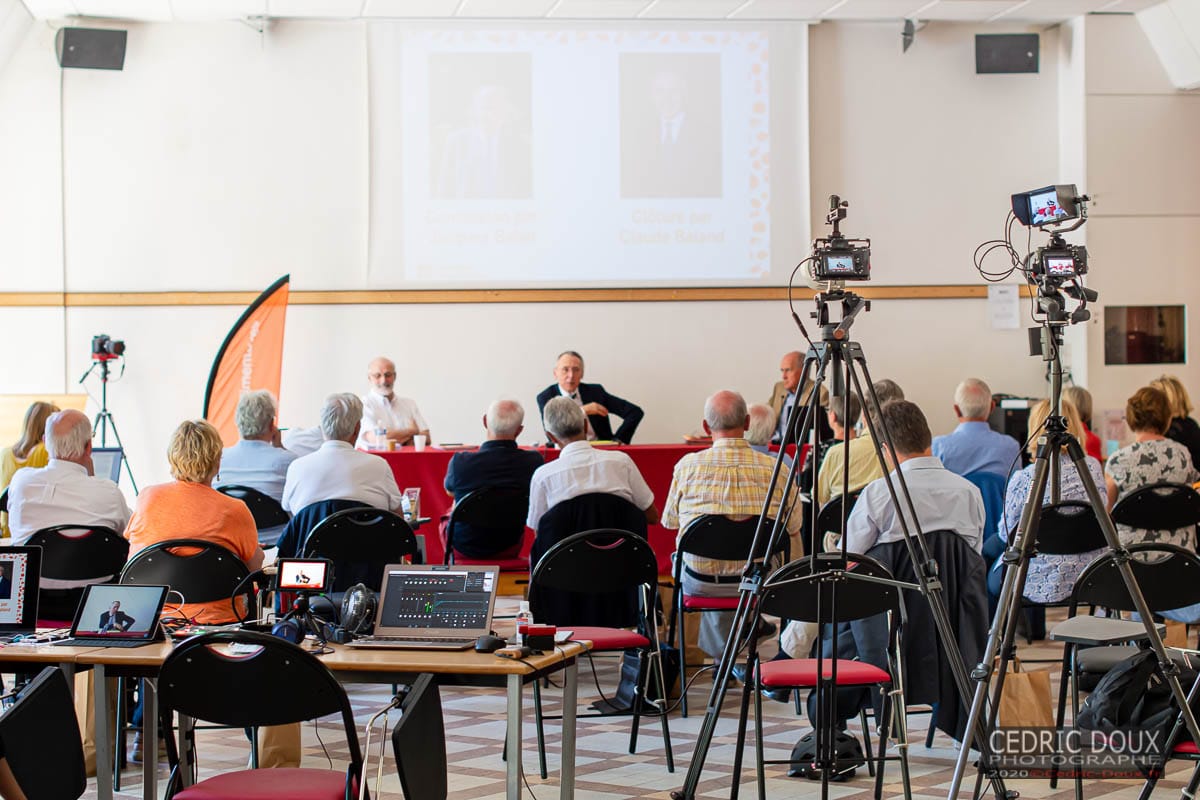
(1144, 335)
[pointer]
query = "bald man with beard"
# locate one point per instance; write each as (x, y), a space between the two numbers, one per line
(398, 417)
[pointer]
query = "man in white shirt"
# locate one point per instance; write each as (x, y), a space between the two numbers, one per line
(65, 491)
(337, 471)
(258, 460)
(398, 417)
(581, 469)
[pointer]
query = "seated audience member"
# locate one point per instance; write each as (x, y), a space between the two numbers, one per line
(783, 397)
(189, 508)
(942, 500)
(581, 469)
(1152, 458)
(65, 491)
(258, 460)
(974, 446)
(398, 417)
(1051, 577)
(594, 399)
(302, 441)
(1082, 400)
(846, 445)
(1183, 428)
(729, 479)
(337, 471)
(762, 426)
(497, 463)
(28, 451)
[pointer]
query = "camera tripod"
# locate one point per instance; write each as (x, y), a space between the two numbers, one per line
(1022, 548)
(844, 359)
(104, 418)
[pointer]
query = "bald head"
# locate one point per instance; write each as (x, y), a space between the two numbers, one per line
(725, 415)
(973, 400)
(504, 419)
(69, 436)
(789, 369)
(381, 372)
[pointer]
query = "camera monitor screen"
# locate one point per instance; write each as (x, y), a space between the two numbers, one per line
(309, 575)
(1060, 266)
(839, 264)
(1045, 207)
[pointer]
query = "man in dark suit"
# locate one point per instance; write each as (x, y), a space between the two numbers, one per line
(115, 619)
(597, 404)
(497, 463)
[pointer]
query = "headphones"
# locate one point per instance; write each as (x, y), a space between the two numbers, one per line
(288, 629)
(358, 609)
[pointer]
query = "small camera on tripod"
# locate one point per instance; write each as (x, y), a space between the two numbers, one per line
(106, 348)
(837, 258)
(1060, 261)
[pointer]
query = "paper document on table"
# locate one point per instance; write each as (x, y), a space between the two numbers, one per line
(1004, 307)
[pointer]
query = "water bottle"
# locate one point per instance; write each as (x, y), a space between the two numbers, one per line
(524, 620)
(381, 438)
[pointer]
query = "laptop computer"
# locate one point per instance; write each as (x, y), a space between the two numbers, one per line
(433, 607)
(107, 462)
(20, 578)
(117, 615)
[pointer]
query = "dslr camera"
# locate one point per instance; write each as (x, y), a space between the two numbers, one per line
(106, 348)
(837, 258)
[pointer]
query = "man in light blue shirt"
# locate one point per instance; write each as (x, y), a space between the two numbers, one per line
(258, 460)
(973, 446)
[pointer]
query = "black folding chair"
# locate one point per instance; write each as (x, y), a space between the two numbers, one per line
(78, 553)
(269, 516)
(502, 509)
(361, 542)
(1159, 507)
(41, 739)
(612, 561)
(710, 537)
(829, 518)
(276, 684)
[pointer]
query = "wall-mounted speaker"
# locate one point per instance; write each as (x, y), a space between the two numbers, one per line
(1006, 53)
(90, 48)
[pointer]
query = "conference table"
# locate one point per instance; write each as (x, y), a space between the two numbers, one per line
(349, 665)
(426, 470)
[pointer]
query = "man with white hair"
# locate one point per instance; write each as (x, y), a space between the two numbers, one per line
(729, 479)
(66, 490)
(582, 469)
(385, 414)
(498, 463)
(973, 446)
(258, 460)
(337, 471)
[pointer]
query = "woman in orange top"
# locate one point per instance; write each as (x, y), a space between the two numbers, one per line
(189, 508)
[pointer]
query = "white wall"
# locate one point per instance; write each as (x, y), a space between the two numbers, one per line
(926, 151)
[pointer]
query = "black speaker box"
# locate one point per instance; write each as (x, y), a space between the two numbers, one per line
(1006, 53)
(90, 48)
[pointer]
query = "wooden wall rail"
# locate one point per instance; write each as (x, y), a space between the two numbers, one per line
(454, 296)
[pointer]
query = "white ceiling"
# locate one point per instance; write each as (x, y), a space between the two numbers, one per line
(1041, 11)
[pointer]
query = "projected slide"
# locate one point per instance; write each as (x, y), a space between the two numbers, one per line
(561, 156)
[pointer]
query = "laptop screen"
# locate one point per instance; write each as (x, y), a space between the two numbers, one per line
(436, 599)
(107, 461)
(20, 573)
(119, 611)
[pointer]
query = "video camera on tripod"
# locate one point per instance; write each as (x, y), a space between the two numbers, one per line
(837, 258)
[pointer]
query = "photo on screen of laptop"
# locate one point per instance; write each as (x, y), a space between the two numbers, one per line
(117, 615)
(107, 462)
(433, 606)
(20, 574)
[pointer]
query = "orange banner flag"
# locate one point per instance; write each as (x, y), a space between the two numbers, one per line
(251, 358)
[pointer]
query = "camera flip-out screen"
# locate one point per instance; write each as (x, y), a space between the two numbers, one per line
(309, 575)
(1060, 266)
(1047, 205)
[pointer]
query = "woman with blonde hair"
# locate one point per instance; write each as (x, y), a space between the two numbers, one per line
(28, 451)
(1183, 428)
(1050, 577)
(1081, 398)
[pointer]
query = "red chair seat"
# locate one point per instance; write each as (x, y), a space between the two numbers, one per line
(803, 672)
(694, 602)
(1187, 748)
(608, 638)
(505, 564)
(270, 784)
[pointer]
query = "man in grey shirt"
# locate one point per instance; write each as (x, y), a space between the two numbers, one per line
(258, 460)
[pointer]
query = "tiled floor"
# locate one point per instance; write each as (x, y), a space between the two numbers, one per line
(475, 730)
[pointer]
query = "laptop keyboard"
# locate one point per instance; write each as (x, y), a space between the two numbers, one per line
(415, 640)
(102, 642)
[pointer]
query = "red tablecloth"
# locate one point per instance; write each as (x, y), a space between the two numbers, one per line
(427, 470)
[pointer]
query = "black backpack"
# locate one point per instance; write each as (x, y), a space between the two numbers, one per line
(847, 751)
(1133, 695)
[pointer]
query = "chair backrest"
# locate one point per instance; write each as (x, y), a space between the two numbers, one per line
(593, 578)
(361, 542)
(41, 739)
(265, 509)
(790, 594)
(291, 542)
(80, 552)
(201, 571)
(829, 518)
(277, 684)
(1168, 576)
(419, 742)
(719, 537)
(1159, 507)
(4, 501)
(991, 488)
(492, 507)
(1069, 528)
